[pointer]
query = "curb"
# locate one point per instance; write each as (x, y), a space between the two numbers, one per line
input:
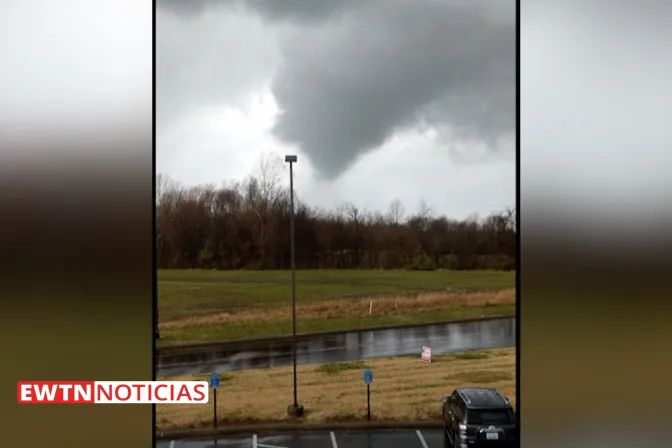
(204, 347)
(275, 428)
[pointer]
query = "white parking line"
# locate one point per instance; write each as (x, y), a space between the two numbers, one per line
(422, 439)
(256, 444)
(333, 440)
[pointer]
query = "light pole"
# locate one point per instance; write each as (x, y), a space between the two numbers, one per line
(294, 409)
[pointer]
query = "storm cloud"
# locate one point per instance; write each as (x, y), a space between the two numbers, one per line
(352, 74)
(344, 88)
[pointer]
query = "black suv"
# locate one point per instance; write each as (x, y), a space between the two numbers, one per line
(475, 417)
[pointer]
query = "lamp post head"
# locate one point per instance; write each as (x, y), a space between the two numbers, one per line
(290, 159)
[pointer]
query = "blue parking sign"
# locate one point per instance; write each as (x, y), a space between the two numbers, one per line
(214, 380)
(368, 376)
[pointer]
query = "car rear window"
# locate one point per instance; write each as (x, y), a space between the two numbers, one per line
(490, 417)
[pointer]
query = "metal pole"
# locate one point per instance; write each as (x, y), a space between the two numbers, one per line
(291, 229)
(214, 406)
(368, 402)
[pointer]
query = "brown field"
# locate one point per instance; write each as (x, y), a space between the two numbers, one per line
(403, 389)
(382, 305)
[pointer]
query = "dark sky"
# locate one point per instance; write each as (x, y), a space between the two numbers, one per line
(352, 73)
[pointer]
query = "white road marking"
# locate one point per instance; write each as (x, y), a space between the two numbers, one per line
(422, 439)
(269, 446)
(254, 441)
(172, 444)
(333, 440)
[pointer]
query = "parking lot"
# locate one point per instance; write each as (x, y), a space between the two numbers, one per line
(407, 438)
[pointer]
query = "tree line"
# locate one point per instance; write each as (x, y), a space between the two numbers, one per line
(246, 225)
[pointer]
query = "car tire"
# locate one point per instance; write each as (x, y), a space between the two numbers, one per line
(449, 439)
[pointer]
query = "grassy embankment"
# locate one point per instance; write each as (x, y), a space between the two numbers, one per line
(197, 305)
(403, 389)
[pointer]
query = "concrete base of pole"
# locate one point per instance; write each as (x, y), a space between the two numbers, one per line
(295, 411)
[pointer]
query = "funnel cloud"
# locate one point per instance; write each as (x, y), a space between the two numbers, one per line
(418, 89)
(353, 73)
(375, 70)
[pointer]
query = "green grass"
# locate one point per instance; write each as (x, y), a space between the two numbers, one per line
(284, 327)
(333, 368)
(185, 293)
(479, 377)
(185, 288)
(471, 355)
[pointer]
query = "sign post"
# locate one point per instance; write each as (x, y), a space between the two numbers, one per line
(368, 379)
(426, 354)
(214, 384)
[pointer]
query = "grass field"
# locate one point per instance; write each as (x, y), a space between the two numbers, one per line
(197, 305)
(403, 389)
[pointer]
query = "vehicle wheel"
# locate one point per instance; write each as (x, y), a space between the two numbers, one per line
(449, 441)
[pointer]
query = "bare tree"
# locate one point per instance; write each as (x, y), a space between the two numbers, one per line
(424, 210)
(424, 215)
(268, 173)
(351, 211)
(473, 218)
(246, 225)
(264, 192)
(396, 212)
(163, 185)
(510, 216)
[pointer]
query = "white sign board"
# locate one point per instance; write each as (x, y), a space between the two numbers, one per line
(426, 354)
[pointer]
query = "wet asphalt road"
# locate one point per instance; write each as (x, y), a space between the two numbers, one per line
(407, 438)
(350, 346)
